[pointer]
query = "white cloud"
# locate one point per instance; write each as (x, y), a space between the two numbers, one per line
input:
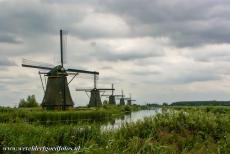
(102, 25)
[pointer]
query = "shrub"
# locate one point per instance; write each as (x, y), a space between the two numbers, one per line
(29, 102)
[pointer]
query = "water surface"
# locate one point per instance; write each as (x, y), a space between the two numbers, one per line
(132, 117)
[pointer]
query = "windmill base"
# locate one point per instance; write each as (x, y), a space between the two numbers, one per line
(57, 107)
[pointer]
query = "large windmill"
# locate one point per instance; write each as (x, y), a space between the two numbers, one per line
(57, 94)
(130, 100)
(112, 99)
(95, 97)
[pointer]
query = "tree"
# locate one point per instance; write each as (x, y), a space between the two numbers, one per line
(29, 102)
(165, 104)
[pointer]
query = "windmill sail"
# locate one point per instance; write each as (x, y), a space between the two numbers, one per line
(34, 64)
(63, 46)
(82, 71)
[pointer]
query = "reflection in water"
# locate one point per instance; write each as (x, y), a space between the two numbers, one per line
(128, 118)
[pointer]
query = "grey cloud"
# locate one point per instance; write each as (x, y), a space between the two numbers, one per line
(145, 72)
(111, 56)
(21, 79)
(219, 58)
(209, 53)
(3, 87)
(193, 72)
(190, 78)
(107, 52)
(25, 18)
(181, 78)
(110, 79)
(185, 23)
(4, 61)
(7, 38)
(106, 67)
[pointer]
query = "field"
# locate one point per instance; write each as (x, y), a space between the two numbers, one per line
(177, 129)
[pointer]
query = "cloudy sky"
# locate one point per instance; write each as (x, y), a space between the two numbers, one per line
(158, 50)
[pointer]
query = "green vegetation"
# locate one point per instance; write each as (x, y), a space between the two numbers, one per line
(194, 131)
(77, 115)
(213, 109)
(47, 117)
(177, 130)
(29, 102)
(201, 103)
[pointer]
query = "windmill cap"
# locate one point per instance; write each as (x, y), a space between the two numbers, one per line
(57, 71)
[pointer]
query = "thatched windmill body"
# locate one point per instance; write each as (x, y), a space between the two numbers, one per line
(56, 94)
(95, 97)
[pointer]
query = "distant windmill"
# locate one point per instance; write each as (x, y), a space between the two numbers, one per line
(112, 99)
(57, 94)
(122, 98)
(95, 97)
(130, 100)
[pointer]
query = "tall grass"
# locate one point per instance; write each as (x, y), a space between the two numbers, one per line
(62, 135)
(45, 117)
(176, 132)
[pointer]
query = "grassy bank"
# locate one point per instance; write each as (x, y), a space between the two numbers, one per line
(192, 131)
(76, 115)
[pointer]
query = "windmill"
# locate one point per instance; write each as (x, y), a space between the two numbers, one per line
(112, 99)
(130, 100)
(57, 94)
(122, 98)
(95, 97)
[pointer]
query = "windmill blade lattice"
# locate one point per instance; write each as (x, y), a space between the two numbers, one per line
(34, 64)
